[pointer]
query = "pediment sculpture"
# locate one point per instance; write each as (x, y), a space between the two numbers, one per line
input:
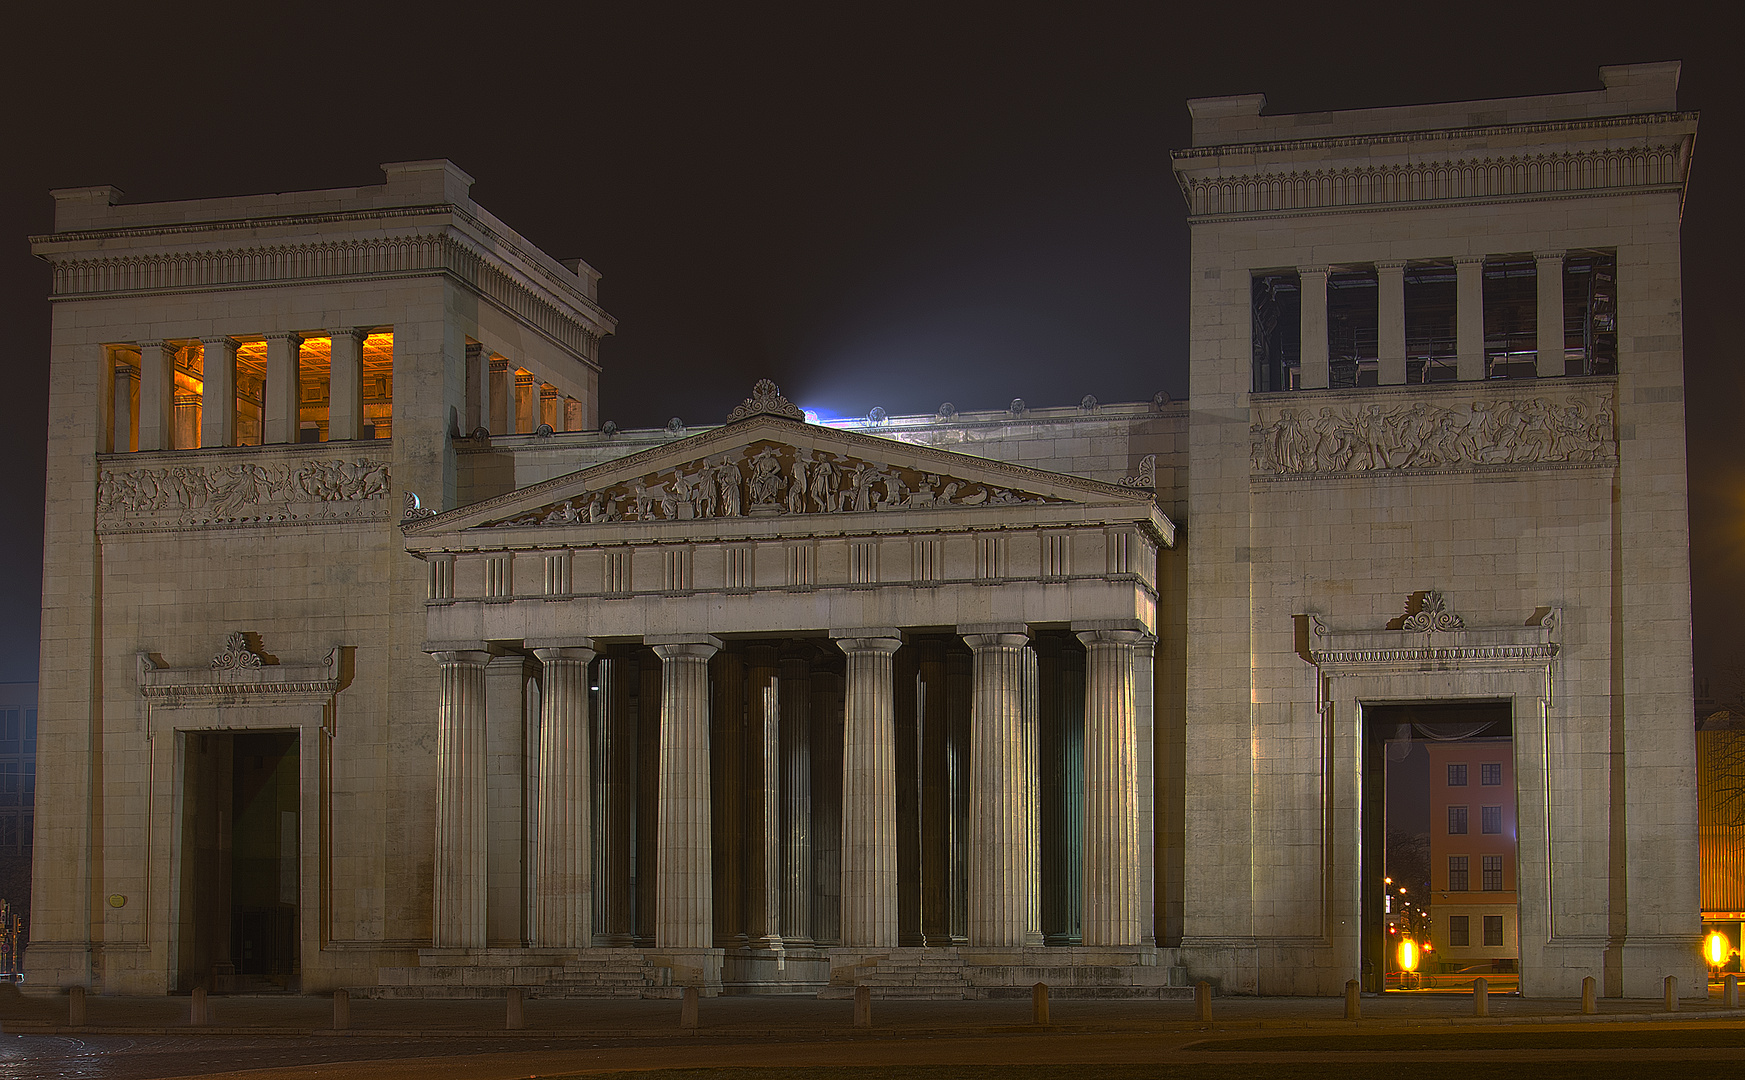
(769, 477)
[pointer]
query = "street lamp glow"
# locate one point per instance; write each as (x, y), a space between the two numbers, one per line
(1715, 948)
(1408, 955)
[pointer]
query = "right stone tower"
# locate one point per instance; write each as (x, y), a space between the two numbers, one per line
(1437, 460)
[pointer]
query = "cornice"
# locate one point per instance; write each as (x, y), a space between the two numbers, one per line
(1333, 142)
(1437, 181)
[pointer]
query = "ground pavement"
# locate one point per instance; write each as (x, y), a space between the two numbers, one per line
(1421, 1037)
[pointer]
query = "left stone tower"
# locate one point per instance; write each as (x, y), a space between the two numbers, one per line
(236, 751)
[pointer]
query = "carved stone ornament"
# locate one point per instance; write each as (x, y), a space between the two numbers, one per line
(771, 478)
(1292, 441)
(236, 655)
(766, 400)
(213, 493)
(1427, 612)
(1146, 477)
(412, 509)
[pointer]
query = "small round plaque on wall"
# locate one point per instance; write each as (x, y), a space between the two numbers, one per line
(117, 900)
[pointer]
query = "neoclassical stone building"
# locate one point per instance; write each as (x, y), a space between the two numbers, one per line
(372, 660)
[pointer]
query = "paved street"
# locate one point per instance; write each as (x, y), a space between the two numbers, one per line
(266, 1038)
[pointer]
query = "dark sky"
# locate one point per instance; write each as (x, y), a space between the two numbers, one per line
(874, 204)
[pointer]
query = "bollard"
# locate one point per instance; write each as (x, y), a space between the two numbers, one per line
(1589, 996)
(197, 1013)
(1672, 993)
(688, 1010)
(863, 1006)
(341, 1010)
(1481, 997)
(75, 1006)
(1203, 1002)
(1353, 1006)
(1039, 1003)
(1730, 991)
(516, 1015)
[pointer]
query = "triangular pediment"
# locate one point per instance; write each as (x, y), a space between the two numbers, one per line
(769, 466)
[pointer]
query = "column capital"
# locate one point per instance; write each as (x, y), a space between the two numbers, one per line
(869, 639)
(538, 644)
(498, 363)
(461, 652)
(1124, 638)
(1547, 256)
(359, 333)
(1304, 270)
(577, 655)
(683, 646)
(291, 336)
(1389, 264)
(1468, 260)
(219, 343)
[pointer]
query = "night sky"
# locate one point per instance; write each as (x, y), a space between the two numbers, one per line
(872, 204)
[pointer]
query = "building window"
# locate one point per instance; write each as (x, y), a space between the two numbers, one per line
(1457, 776)
(1493, 929)
(1490, 819)
(1457, 821)
(1278, 331)
(1493, 873)
(1458, 934)
(1457, 873)
(1490, 774)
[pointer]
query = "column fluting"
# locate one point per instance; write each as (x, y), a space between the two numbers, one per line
(869, 793)
(1001, 885)
(563, 895)
(459, 892)
(1111, 866)
(684, 916)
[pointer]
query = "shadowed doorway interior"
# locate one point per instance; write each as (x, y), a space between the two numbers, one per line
(239, 887)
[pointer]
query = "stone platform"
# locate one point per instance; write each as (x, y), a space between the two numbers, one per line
(967, 972)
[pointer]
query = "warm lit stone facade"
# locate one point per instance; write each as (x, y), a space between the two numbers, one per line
(371, 661)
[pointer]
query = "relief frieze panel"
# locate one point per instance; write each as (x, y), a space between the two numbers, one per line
(770, 478)
(216, 493)
(1576, 429)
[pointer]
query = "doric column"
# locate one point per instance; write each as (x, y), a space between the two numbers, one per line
(564, 902)
(1390, 280)
(575, 415)
(550, 407)
(826, 808)
(187, 419)
(1548, 266)
(345, 385)
(727, 783)
(1111, 896)
(511, 801)
(1032, 794)
(218, 398)
(796, 748)
(283, 393)
(500, 409)
(648, 705)
(614, 764)
(960, 696)
(1001, 885)
(1145, 731)
(684, 918)
(1469, 317)
(763, 798)
(1314, 327)
(459, 895)
(125, 430)
(157, 396)
(869, 790)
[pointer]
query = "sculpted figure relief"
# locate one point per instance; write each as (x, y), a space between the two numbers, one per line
(770, 478)
(218, 493)
(1370, 437)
